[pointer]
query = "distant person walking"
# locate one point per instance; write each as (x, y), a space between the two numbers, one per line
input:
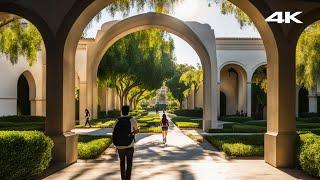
(123, 137)
(165, 127)
(87, 116)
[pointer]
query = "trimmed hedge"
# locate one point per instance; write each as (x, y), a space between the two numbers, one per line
(238, 146)
(309, 115)
(187, 125)
(113, 113)
(150, 130)
(308, 153)
(24, 154)
(239, 128)
(15, 118)
(239, 119)
(309, 120)
(91, 147)
(242, 150)
(189, 112)
(186, 122)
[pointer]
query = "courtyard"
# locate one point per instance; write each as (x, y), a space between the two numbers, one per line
(238, 80)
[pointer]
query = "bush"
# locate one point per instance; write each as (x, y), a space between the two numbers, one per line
(189, 112)
(91, 147)
(309, 115)
(113, 113)
(15, 118)
(309, 120)
(239, 128)
(150, 130)
(187, 125)
(102, 114)
(239, 119)
(303, 125)
(242, 150)
(186, 122)
(308, 153)
(248, 129)
(257, 123)
(220, 131)
(24, 154)
(238, 146)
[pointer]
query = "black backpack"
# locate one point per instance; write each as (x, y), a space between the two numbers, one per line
(122, 135)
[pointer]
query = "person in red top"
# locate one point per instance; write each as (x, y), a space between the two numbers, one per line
(165, 127)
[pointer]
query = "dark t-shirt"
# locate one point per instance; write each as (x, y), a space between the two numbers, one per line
(165, 122)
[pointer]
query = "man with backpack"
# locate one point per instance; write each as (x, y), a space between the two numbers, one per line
(123, 137)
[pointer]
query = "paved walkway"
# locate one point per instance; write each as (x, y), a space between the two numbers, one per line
(181, 158)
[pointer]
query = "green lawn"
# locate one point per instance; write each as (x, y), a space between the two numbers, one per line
(99, 123)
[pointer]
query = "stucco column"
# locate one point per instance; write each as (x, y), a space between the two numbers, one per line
(60, 111)
(249, 99)
(102, 98)
(218, 99)
(37, 107)
(280, 139)
(95, 101)
(82, 102)
(312, 101)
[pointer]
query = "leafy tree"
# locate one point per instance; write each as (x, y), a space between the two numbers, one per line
(260, 78)
(227, 8)
(176, 87)
(308, 57)
(259, 91)
(192, 78)
(140, 60)
(19, 38)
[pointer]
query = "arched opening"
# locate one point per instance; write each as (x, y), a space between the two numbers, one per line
(303, 101)
(188, 31)
(26, 94)
(258, 93)
(223, 104)
(84, 13)
(77, 99)
(233, 82)
(23, 99)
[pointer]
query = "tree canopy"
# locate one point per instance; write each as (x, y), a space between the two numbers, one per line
(192, 78)
(19, 38)
(142, 59)
(308, 57)
(176, 87)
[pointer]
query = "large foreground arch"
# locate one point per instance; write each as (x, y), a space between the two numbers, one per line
(280, 138)
(200, 37)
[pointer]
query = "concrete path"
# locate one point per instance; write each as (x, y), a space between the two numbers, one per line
(181, 158)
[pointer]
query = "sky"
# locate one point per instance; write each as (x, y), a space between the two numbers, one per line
(190, 10)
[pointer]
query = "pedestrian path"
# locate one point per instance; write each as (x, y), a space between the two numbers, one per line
(180, 159)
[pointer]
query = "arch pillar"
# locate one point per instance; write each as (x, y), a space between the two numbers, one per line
(280, 139)
(82, 102)
(312, 101)
(249, 86)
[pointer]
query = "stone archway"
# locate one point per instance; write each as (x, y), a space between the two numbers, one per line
(199, 36)
(233, 82)
(271, 35)
(28, 100)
